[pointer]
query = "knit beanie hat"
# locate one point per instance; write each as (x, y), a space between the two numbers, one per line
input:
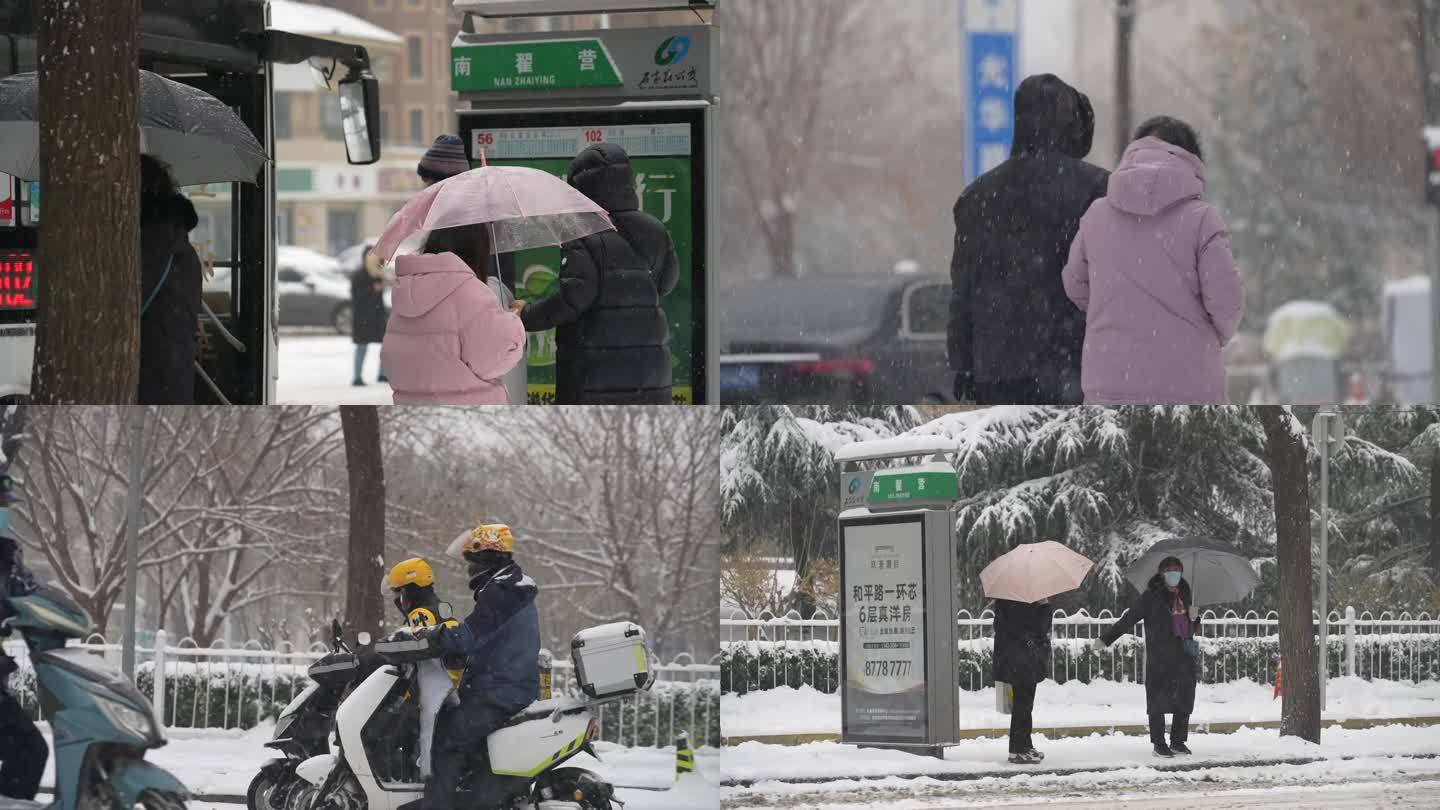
(444, 159)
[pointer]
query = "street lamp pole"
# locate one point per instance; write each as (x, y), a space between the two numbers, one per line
(1125, 13)
(133, 517)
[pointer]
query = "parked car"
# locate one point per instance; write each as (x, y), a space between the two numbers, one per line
(834, 339)
(311, 297)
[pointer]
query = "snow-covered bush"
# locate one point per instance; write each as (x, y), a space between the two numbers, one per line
(757, 665)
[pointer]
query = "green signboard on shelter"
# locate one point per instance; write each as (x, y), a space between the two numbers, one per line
(913, 485)
(557, 64)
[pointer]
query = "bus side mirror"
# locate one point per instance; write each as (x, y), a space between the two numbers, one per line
(360, 115)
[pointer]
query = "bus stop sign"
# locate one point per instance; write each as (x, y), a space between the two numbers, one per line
(538, 100)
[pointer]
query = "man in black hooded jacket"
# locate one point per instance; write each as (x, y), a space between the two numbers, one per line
(170, 289)
(612, 339)
(1015, 338)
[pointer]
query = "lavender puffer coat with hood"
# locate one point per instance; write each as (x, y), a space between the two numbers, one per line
(1153, 271)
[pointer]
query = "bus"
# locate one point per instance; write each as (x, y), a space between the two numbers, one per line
(228, 49)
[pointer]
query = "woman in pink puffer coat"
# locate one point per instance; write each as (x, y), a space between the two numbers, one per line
(1153, 271)
(449, 341)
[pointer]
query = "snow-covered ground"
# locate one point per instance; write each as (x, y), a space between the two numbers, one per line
(1099, 703)
(316, 369)
(224, 762)
(975, 771)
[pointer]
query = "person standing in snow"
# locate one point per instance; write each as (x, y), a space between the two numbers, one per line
(1171, 653)
(612, 339)
(1153, 271)
(449, 341)
(367, 307)
(1022, 656)
(1014, 338)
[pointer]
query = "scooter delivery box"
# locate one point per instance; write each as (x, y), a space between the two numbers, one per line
(611, 660)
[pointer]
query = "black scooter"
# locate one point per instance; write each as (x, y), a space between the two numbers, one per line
(304, 728)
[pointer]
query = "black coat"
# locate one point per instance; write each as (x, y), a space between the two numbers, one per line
(1169, 673)
(1010, 320)
(169, 326)
(1022, 642)
(612, 338)
(367, 307)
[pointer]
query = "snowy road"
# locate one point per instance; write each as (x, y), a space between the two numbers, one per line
(315, 369)
(223, 763)
(1383, 782)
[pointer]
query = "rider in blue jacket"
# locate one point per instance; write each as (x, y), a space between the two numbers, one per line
(501, 642)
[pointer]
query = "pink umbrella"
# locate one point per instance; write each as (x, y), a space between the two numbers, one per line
(525, 208)
(1034, 571)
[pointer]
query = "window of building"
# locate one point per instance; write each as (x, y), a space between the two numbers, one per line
(415, 56)
(442, 57)
(380, 3)
(417, 127)
(384, 67)
(281, 107)
(385, 136)
(330, 119)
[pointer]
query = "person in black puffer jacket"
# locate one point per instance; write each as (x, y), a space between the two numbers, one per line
(170, 289)
(1015, 337)
(1022, 659)
(613, 341)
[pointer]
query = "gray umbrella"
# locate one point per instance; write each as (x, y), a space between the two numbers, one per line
(1216, 573)
(203, 140)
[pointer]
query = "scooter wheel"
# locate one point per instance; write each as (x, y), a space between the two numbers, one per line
(257, 797)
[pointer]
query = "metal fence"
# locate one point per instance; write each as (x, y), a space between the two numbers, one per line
(789, 650)
(238, 687)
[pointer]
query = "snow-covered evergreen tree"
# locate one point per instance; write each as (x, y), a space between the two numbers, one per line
(778, 480)
(1108, 482)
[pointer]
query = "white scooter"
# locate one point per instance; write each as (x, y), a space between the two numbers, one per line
(383, 765)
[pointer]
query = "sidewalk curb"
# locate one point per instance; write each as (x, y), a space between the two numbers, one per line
(1060, 732)
(970, 776)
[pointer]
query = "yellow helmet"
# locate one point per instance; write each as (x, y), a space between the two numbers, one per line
(413, 571)
(485, 537)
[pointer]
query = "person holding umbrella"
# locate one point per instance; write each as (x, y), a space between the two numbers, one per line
(1167, 605)
(1021, 583)
(1168, 611)
(450, 339)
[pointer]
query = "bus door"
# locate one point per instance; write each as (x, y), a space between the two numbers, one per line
(235, 241)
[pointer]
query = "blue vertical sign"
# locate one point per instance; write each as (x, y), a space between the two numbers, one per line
(991, 30)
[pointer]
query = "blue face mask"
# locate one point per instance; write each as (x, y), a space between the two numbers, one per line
(4, 519)
(1172, 578)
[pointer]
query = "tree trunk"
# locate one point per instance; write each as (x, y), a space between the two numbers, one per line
(90, 307)
(364, 601)
(1290, 482)
(1435, 514)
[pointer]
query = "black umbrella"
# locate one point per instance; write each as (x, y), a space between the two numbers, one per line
(1216, 572)
(203, 140)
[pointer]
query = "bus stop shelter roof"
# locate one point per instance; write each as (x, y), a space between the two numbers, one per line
(320, 21)
(898, 447)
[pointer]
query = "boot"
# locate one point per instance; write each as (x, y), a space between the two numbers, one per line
(1027, 758)
(1179, 748)
(1163, 750)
